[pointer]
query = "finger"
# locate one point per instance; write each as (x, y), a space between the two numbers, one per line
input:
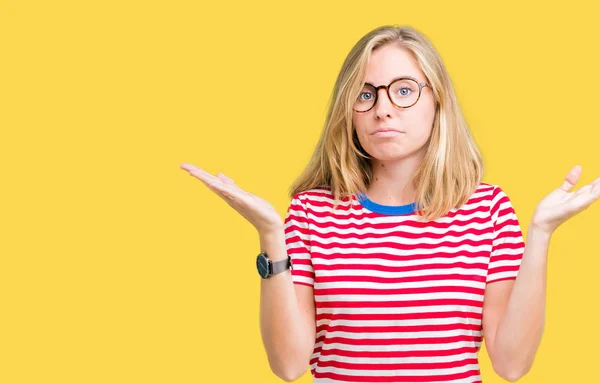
(230, 182)
(228, 192)
(596, 187)
(583, 201)
(216, 184)
(218, 188)
(212, 182)
(593, 188)
(586, 195)
(571, 178)
(235, 198)
(225, 179)
(592, 185)
(189, 167)
(201, 174)
(193, 168)
(221, 185)
(205, 176)
(584, 190)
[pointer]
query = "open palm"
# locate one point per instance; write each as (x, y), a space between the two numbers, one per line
(260, 213)
(562, 204)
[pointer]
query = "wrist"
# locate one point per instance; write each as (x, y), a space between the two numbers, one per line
(272, 233)
(538, 234)
(272, 242)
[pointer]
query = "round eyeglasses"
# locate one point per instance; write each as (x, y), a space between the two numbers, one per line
(403, 92)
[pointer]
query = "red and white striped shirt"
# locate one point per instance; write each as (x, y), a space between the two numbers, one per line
(399, 300)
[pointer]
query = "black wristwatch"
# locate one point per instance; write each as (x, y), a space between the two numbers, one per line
(267, 267)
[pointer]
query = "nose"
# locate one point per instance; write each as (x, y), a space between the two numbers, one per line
(383, 107)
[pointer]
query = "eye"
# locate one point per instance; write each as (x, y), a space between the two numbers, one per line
(368, 95)
(404, 91)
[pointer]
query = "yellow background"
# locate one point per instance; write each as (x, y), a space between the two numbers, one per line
(116, 266)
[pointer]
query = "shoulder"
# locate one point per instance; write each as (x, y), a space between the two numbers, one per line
(315, 193)
(491, 192)
(497, 201)
(316, 196)
(322, 200)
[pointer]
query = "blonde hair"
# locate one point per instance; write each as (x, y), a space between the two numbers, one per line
(452, 167)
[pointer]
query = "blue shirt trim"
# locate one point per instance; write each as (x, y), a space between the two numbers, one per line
(385, 209)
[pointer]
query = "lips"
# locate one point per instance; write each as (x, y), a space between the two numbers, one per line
(386, 132)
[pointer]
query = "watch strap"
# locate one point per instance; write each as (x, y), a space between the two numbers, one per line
(281, 266)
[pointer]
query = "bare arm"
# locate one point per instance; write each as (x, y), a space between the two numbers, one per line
(514, 312)
(287, 311)
(287, 316)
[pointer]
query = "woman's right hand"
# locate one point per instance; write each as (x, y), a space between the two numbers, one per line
(260, 213)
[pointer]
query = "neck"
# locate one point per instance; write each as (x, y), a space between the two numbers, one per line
(391, 181)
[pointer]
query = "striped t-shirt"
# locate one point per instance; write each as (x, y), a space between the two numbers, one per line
(399, 300)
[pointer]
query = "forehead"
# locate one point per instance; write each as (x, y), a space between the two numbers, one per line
(389, 62)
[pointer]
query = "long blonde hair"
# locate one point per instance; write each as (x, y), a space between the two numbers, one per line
(452, 167)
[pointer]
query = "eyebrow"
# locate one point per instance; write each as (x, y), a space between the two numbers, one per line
(397, 78)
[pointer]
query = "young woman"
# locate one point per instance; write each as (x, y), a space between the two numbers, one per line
(402, 259)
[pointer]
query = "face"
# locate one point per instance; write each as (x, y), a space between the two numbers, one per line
(386, 132)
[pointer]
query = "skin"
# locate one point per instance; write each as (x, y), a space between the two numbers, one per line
(394, 159)
(513, 310)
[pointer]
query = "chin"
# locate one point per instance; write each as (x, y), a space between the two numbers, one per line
(393, 152)
(384, 155)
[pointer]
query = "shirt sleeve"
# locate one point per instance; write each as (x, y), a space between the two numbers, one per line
(297, 240)
(508, 245)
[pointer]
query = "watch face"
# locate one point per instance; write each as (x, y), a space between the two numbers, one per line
(262, 264)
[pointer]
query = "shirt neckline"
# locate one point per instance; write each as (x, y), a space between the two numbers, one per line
(385, 209)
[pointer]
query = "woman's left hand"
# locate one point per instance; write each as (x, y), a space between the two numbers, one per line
(561, 204)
